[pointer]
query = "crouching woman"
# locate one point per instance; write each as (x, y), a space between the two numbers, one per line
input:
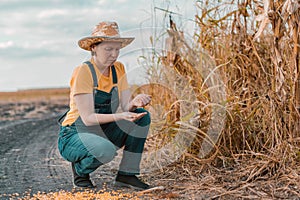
(92, 130)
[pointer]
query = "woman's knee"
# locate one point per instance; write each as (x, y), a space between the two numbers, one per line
(105, 152)
(145, 120)
(102, 149)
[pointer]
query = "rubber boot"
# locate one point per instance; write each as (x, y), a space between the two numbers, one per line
(130, 181)
(81, 181)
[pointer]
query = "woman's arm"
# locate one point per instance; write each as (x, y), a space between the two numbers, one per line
(85, 105)
(125, 100)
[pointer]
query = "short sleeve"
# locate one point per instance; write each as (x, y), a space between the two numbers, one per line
(122, 82)
(82, 81)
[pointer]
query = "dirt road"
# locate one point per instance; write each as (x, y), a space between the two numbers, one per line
(30, 161)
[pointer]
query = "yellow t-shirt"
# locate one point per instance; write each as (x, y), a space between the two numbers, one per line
(82, 83)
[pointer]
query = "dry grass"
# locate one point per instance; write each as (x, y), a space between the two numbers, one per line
(261, 75)
(258, 153)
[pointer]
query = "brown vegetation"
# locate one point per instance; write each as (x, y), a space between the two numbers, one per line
(33, 103)
(35, 95)
(255, 45)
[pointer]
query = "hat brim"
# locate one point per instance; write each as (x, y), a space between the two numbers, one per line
(86, 42)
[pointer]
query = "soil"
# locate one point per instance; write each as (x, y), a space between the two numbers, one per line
(31, 164)
(29, 159)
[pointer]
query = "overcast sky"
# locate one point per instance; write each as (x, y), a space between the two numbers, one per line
(38, 38)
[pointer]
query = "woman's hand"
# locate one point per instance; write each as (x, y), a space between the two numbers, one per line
(140, 100)
(130, 116)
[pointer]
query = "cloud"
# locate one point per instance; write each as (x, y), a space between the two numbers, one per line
(7, 5)
(22, 53)
(5, 45)
(52, 13)
(33, 32)
(122, 1)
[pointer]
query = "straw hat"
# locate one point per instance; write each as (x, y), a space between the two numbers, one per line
(104, 31)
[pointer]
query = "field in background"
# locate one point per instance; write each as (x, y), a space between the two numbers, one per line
(33, 103)
(35, 95)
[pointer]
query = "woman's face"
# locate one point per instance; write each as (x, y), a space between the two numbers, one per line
(106, 53)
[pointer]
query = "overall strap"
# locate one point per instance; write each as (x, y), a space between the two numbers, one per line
(114, 74)
(95, 84)
(60, 119)
(93, 73)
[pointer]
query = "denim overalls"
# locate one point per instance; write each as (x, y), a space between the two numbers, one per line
(91, 146)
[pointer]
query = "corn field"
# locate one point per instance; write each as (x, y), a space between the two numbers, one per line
(261, 70)
(255, 45)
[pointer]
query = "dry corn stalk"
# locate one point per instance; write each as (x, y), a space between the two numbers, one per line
(207, 86)
(261, 75)
(284, 15)
(176, 59)
(165, 98)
